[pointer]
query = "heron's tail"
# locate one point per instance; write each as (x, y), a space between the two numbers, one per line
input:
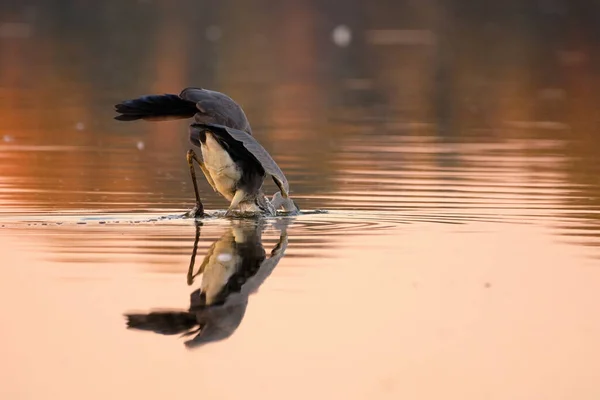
(155, 107)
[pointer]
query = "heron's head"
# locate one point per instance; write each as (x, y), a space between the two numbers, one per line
(258, 204)
(287, 204)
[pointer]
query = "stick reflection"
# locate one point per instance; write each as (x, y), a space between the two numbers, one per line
(234, 267)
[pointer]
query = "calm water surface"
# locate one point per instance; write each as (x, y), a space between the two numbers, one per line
(457, 255)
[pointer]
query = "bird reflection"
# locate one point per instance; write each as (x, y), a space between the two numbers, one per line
(234, 267)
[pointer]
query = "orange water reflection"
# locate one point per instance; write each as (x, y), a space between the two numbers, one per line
(479, 320)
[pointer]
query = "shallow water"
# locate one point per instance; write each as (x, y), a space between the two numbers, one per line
(457, 255)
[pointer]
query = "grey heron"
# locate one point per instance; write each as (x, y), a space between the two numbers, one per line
(232, 160)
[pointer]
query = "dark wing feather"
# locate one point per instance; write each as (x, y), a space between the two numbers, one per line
(255, 148)
(155, 107)
(163, 322)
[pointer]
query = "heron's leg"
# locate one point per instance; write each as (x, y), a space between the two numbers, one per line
(191, 275)
(281, 245)
(203, 168)
(198, 210)
(237, 199)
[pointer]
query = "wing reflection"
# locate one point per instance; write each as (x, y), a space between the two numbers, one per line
(234, 267)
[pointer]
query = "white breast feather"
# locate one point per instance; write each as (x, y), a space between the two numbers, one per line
(224, 172)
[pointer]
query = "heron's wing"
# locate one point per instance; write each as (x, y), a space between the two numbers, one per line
(267, 266)
(216, 108)
(193, 94)
(255, 148)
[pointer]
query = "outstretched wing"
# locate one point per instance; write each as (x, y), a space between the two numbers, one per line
(155, 107)
(255, 148)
